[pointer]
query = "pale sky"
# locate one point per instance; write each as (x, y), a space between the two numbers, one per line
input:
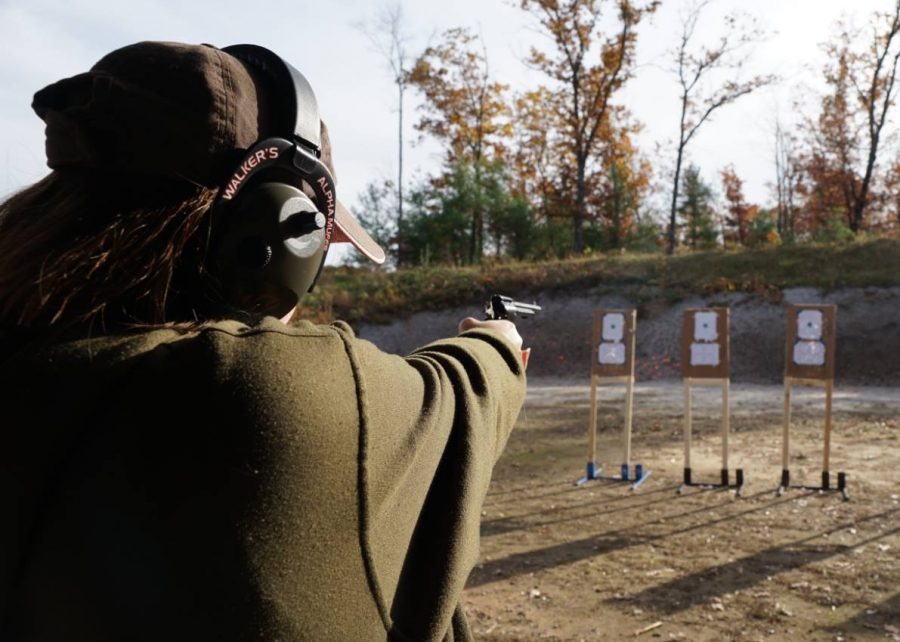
(43, 41)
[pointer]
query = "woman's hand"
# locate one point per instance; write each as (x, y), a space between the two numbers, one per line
(502, 327)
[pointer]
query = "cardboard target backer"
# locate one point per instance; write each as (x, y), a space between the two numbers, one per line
(811, 338)
(705, 344)
(613, 352)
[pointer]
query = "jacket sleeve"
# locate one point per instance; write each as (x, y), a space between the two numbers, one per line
(433, 424)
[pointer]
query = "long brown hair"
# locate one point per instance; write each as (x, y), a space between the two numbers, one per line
(81, 249)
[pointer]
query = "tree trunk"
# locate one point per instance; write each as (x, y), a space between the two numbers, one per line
(859, 207)
(579, 214)
(673, 212)
(400, 248)
(475, 243)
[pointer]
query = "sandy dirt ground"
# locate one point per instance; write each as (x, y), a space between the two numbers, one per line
(603, 562)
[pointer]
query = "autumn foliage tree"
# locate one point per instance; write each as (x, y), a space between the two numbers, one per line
(465, 109)
(891, 197)
(587, 68)
(740, 212)
(617, 191)
(615, 185)
(535, 158)
(846, 138)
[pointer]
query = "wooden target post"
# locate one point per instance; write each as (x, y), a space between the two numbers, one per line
(706, 360)
(612, 362)
(809, 361)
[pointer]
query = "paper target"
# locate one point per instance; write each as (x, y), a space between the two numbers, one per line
(706, 326)
(613, 327)
(613, 343)
(611, 354)
(705, 354)
(809, 353)
(809, 325)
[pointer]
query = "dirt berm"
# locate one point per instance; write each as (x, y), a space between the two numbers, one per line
(868, 338)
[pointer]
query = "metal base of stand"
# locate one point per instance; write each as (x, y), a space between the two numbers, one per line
(826, 484)
(724, 482)
(593, 473)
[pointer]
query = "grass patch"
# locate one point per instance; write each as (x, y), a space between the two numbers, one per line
(376, 296)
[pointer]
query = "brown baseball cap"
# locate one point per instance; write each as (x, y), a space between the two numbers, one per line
(175, 110)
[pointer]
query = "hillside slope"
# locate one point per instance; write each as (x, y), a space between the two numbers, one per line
(868, 341)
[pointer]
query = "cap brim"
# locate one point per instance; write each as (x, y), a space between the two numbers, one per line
(348, 230)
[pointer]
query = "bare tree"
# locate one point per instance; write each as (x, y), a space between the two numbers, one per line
(788, 175)
(386, 35)
(874, 75)
(700, 99)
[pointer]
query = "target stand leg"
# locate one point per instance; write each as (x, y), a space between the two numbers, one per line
(685, 482)
(640, 475)
(785, 482)
(592, 473)
(826, 475)
(739, 482)
(841, 484)
(724, 476)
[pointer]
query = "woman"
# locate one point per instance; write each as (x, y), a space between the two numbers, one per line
(177, 462)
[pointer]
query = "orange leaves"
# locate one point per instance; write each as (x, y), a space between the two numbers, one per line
(740, 212)
(846, 138)
(586, 70)
(463, 106)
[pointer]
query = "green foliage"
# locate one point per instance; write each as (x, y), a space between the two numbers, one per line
(468, 213)
(696, 210)
(553, 239)
(377, 213)
(435, 231)
(763, 230)
(514, 232)
(645, 236)
(833, 230)
(623, 198)
(471, 213)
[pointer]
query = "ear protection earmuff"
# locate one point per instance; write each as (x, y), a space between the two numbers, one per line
(271, 238)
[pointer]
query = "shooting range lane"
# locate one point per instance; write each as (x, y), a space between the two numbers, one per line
(706, 361)
(597, 562)
(613, 364)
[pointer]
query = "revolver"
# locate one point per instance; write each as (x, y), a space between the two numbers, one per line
(503, 307)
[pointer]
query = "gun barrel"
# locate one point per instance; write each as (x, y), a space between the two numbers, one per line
(525, 309)
(504, 307)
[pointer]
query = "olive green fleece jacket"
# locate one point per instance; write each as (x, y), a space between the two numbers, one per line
(246, 483)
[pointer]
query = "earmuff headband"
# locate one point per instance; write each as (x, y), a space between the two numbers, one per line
(302, 114)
